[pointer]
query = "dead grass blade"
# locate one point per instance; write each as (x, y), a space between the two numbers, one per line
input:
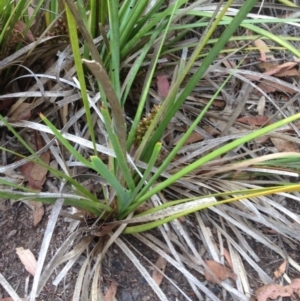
(72, 257)
(81, 289)
(238, 105)
(167, 234)
(56, 259)
(9, 289)
(96, 292)
(242, 281)
(263, 276)
(141, 269)
(115, 235)
(45, 245)
(169, 211)
(191, 278)
(154, 267)
(12, 59)
(117, 111)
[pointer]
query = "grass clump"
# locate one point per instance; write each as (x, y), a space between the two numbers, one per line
(95, 84)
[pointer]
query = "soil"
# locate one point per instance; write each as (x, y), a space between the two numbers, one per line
(17, 231)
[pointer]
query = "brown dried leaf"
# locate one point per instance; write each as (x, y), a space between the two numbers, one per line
(254, 120)
(269, 86)
(278, 70)
(230, 64)
(288, 73)
(161, 264)
(28, 259)
(267, 67)
(280, 271)
(284, 70)
(228, 258)
(143, 207)
(20, 28)
(219, 104)
(38, 212)
(34, 173)
(111, 293)
(263, 48)
(285, 146)
(22, 112)
(261, 105)
(194, 137)
(273, 291)
(221, 272)
(295, 285)
(163, 86)
(105, 230)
